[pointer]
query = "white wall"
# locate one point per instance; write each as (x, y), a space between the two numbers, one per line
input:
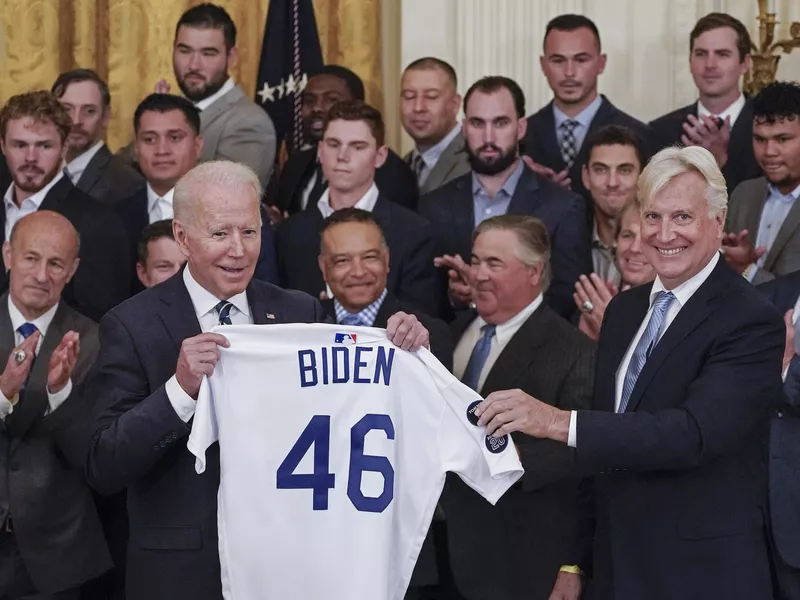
(647, 43)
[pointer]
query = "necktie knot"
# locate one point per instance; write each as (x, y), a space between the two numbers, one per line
(26, 330)
(351, 319)
(223, 309)
(477, 360)
(488, 331)
(569, 126)
(418, 165)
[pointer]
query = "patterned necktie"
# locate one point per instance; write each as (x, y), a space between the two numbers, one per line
(351, 319)
(645, 346)
(477, 359)
(568, 144)
(224, 311)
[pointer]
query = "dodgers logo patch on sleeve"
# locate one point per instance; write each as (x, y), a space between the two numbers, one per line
(345, 338)
(496, 445)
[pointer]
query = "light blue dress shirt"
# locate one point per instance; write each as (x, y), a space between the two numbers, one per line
(486, 207)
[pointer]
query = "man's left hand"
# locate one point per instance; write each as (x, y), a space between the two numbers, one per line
(406, 331)
(704, 131)
(739, 252)
(507, 411)
(63, 361)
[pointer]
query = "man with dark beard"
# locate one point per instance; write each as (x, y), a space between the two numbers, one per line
(499, 183)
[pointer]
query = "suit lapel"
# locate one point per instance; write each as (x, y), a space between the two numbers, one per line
(177, 312)
(445, 165)
(742, 131)
(210, 114)
(388, 307)
(546, 130)
(463, 211)
(785, 233)
(57, 195)
(94, 169)
(263, 307)
(526, 194)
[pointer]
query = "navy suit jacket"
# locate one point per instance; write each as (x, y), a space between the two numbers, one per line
(139, 442)
(681, 475)
(134, 215)
(452, 211)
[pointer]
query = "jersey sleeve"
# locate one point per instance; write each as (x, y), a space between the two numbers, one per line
(205, 429)
(487, 464)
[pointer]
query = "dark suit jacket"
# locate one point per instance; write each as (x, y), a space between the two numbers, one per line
(452, 211)
(394, 179)
(741, 163)
(412, 276)
(108, 179)
(5, 176)
(139, 442)
(134, 215)
(784, 455)
(103, 277)
(541, 143)
(682, 473)
(41, 466)
(522, 541)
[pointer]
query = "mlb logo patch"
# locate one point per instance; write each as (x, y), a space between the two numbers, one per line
(345, 338)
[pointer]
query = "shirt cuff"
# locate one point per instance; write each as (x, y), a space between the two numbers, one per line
(57, 399)
(182, 402)
(6, 408)
(572, 438)
(750, 272)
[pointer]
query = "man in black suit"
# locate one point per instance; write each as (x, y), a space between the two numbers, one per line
(302, 180)
(154, 354)
(34, 129)
(688, 371)
(722, 118)
(90, 164)
(351, 150)
(500, 183)
(51, 541)
(512, 339)
(167, 146)
(572, 61)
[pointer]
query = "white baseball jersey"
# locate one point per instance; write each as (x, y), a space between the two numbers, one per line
(334, 446)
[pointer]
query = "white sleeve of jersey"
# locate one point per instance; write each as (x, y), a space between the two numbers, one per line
(486, 464)
(205, 430)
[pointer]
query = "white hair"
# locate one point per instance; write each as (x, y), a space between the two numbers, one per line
(672, 162)
(223, 173)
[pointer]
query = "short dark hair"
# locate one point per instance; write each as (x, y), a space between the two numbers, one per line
(358, 111)
(352, 82)
(209, 16)
(78, 76)
(610, 135)
(571, 22)
(431, 62)
(154, 231)
(495, 83)
(717, 21)
(41, 106)
(777, 101)
(162, 103)
(352, 215)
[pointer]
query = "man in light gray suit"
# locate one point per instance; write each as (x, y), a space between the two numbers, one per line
(429, 104)
(763, 224)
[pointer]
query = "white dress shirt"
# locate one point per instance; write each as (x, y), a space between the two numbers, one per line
(204, 303)
(159, 207)
(682, 294)
(79, 163)
(206, 102)
(42, 323)
(503, 334)
(29, 206)
(733, 111)
(367, 202)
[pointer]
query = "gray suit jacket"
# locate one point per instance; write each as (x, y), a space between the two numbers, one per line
(108, 179)
(236, 128)
(451, 164)
(744, 212)
(41, 466)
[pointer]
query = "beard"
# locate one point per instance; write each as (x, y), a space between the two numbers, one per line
(209, 88)
(36, 179)
(492, 166)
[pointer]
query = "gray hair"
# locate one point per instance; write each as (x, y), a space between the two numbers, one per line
(675, 161)
(216, 172)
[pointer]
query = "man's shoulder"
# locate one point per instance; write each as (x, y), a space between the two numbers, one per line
(452, 189)
(393, 215)
(748, 188)
(75, 321)
(672, 118)
(242, 110)
(302, 222)
(544, 113)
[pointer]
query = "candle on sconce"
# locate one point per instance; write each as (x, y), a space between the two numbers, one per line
(771, 9)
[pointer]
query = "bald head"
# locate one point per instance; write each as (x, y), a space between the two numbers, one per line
(41, 257)
(208, 183)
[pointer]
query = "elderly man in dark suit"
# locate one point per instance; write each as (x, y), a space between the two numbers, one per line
(688, 370)
(90, 164)
(51, 541)
(500, 183)
(155, 350)
(351, 150)
(512, 339)
(34, 128)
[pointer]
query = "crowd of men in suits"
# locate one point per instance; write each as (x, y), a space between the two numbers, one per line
(590, 275)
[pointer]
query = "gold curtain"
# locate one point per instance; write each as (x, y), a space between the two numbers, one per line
(129, 43)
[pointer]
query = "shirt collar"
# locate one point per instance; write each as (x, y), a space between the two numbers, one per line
(42, 322)
(78, 164)
(508, 187)
(596, 241)
(431, 156)
(367, 201)
(152, 197)
(204, 301)
(790, 197)
(584, 117)
(36, 198)
(733, 111)
(685, 290)
(206, 102)
(505, 331)
(366, 314)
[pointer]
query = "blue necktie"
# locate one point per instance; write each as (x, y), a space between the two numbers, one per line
(351, 319)
(645, 346)
(26, 330)
(224, 311)
(477, 359)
